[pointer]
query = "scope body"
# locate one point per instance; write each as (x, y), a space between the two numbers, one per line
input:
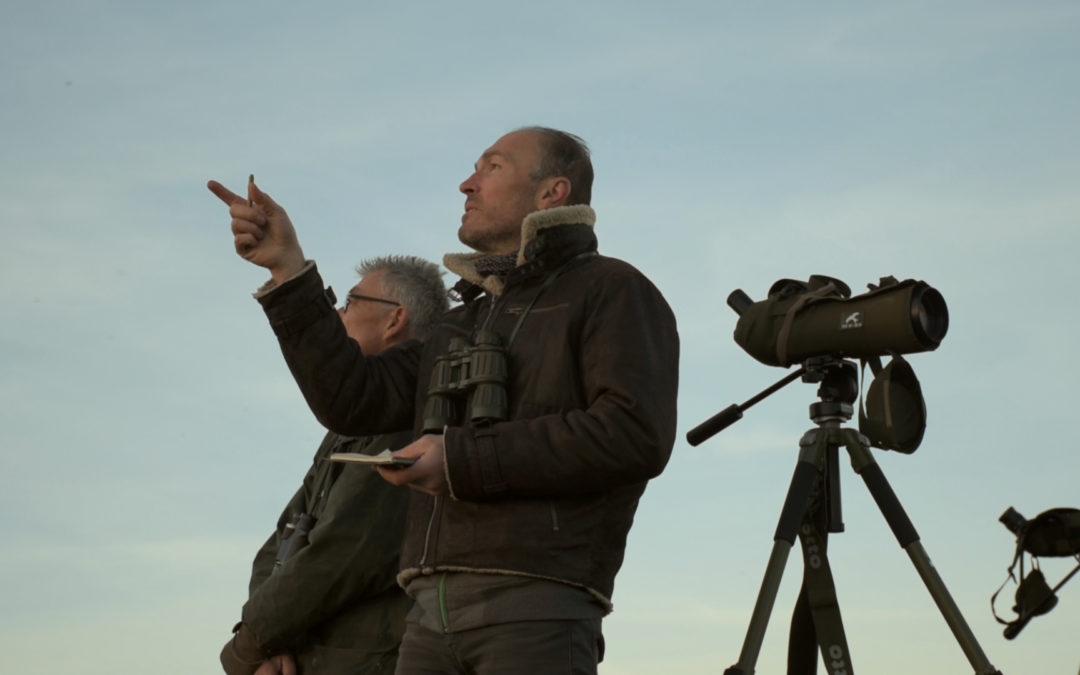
(899, 318)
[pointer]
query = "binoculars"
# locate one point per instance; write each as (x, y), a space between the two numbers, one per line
(469, 377)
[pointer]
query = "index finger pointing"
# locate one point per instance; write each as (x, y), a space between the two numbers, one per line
(225, 194)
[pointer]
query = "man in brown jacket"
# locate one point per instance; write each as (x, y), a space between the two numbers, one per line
(541, 407)
(323, 597)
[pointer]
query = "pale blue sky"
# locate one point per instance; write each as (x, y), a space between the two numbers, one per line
(150, 432)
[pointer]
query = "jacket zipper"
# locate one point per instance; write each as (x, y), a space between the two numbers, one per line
(444, 614)
(427, 534)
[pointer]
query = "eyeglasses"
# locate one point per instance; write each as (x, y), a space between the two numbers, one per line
(357, 296)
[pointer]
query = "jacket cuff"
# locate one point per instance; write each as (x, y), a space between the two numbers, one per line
(270, 284)
(472, 464)
(297, 303)
(241, 655)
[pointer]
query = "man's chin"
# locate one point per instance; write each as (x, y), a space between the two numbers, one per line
(471, 234)
(463, 234)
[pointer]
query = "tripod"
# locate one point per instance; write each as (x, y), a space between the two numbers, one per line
(811, 509)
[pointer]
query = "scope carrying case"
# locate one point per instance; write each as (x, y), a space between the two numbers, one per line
(894, 417)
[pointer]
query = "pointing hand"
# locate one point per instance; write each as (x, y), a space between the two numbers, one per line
(262, 232)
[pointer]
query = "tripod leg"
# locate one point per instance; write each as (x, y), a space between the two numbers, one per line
(904, 531)
(811, 455)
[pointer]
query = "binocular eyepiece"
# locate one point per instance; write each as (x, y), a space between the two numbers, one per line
(468, 377)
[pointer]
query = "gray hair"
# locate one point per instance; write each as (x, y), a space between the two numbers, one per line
(414, 282)
(564, 154)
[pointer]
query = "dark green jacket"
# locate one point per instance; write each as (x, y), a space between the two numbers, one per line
(334, 603)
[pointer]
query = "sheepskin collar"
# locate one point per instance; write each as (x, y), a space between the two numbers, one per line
(464, 264)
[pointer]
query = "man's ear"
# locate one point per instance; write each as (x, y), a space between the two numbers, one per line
(552, 191)
(396, 326)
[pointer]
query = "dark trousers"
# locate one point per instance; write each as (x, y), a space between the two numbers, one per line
(572, 647)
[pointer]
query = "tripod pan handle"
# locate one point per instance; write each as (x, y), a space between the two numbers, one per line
(714, 425)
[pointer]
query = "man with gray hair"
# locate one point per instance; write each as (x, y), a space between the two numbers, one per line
(323, 596)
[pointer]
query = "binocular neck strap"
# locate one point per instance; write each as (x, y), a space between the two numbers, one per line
(547, 284)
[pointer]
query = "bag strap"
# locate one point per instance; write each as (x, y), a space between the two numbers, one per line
(829, 290)
(817, 616)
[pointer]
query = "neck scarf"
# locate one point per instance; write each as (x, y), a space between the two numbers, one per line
(496, 264)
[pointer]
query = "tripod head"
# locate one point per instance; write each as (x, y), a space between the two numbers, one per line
(895, 413)
(838, 390)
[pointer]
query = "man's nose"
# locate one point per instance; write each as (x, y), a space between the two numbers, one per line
(468, 186)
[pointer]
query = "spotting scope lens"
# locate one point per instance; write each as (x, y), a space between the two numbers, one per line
(929, 316)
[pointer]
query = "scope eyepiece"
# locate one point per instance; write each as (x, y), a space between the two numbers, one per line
(739, 301)
(1013, 520)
